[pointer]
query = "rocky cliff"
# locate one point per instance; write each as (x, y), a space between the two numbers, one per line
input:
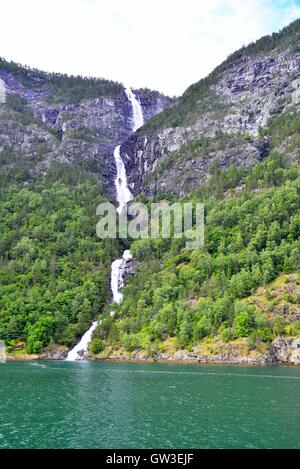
(50, 119)
(218, 119)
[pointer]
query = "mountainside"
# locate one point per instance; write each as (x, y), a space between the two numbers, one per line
(194, 304)
(52, 119)
(231, 141)
(57, 136)
(218, 120)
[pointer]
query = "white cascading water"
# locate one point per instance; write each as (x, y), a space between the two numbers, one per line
(117, 276)
(138, 118)
(123, 196)
(82, 346)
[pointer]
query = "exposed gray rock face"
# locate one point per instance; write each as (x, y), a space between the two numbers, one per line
(145, 156)
(41, 132)
(286, 350)
(247, 93)
(153, 102)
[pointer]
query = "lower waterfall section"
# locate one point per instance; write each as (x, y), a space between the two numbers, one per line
(80, 349)
(118, 269)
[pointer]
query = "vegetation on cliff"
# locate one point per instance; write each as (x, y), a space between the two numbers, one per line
(54, 271)
(62, 88)
(199, 97)
(251, 237)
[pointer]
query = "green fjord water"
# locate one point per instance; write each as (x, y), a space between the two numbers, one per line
(145, 405)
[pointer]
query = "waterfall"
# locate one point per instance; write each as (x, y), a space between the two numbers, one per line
(122, 192)
(117, 276)
(123, 196)
(82, 346)
(138, 119)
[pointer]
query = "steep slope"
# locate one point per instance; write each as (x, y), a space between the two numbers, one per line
(217, 120)
(234, 145)
(57, 136)
(231, 141)
(184, 303)
(50, 119)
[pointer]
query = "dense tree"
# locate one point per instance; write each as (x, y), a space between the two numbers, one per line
(54, 271)
(250, 239)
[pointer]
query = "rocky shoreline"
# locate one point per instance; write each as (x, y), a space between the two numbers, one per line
(283, 351)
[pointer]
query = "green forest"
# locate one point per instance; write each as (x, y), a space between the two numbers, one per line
(54, 271)
(62, 88)
(250, 239)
